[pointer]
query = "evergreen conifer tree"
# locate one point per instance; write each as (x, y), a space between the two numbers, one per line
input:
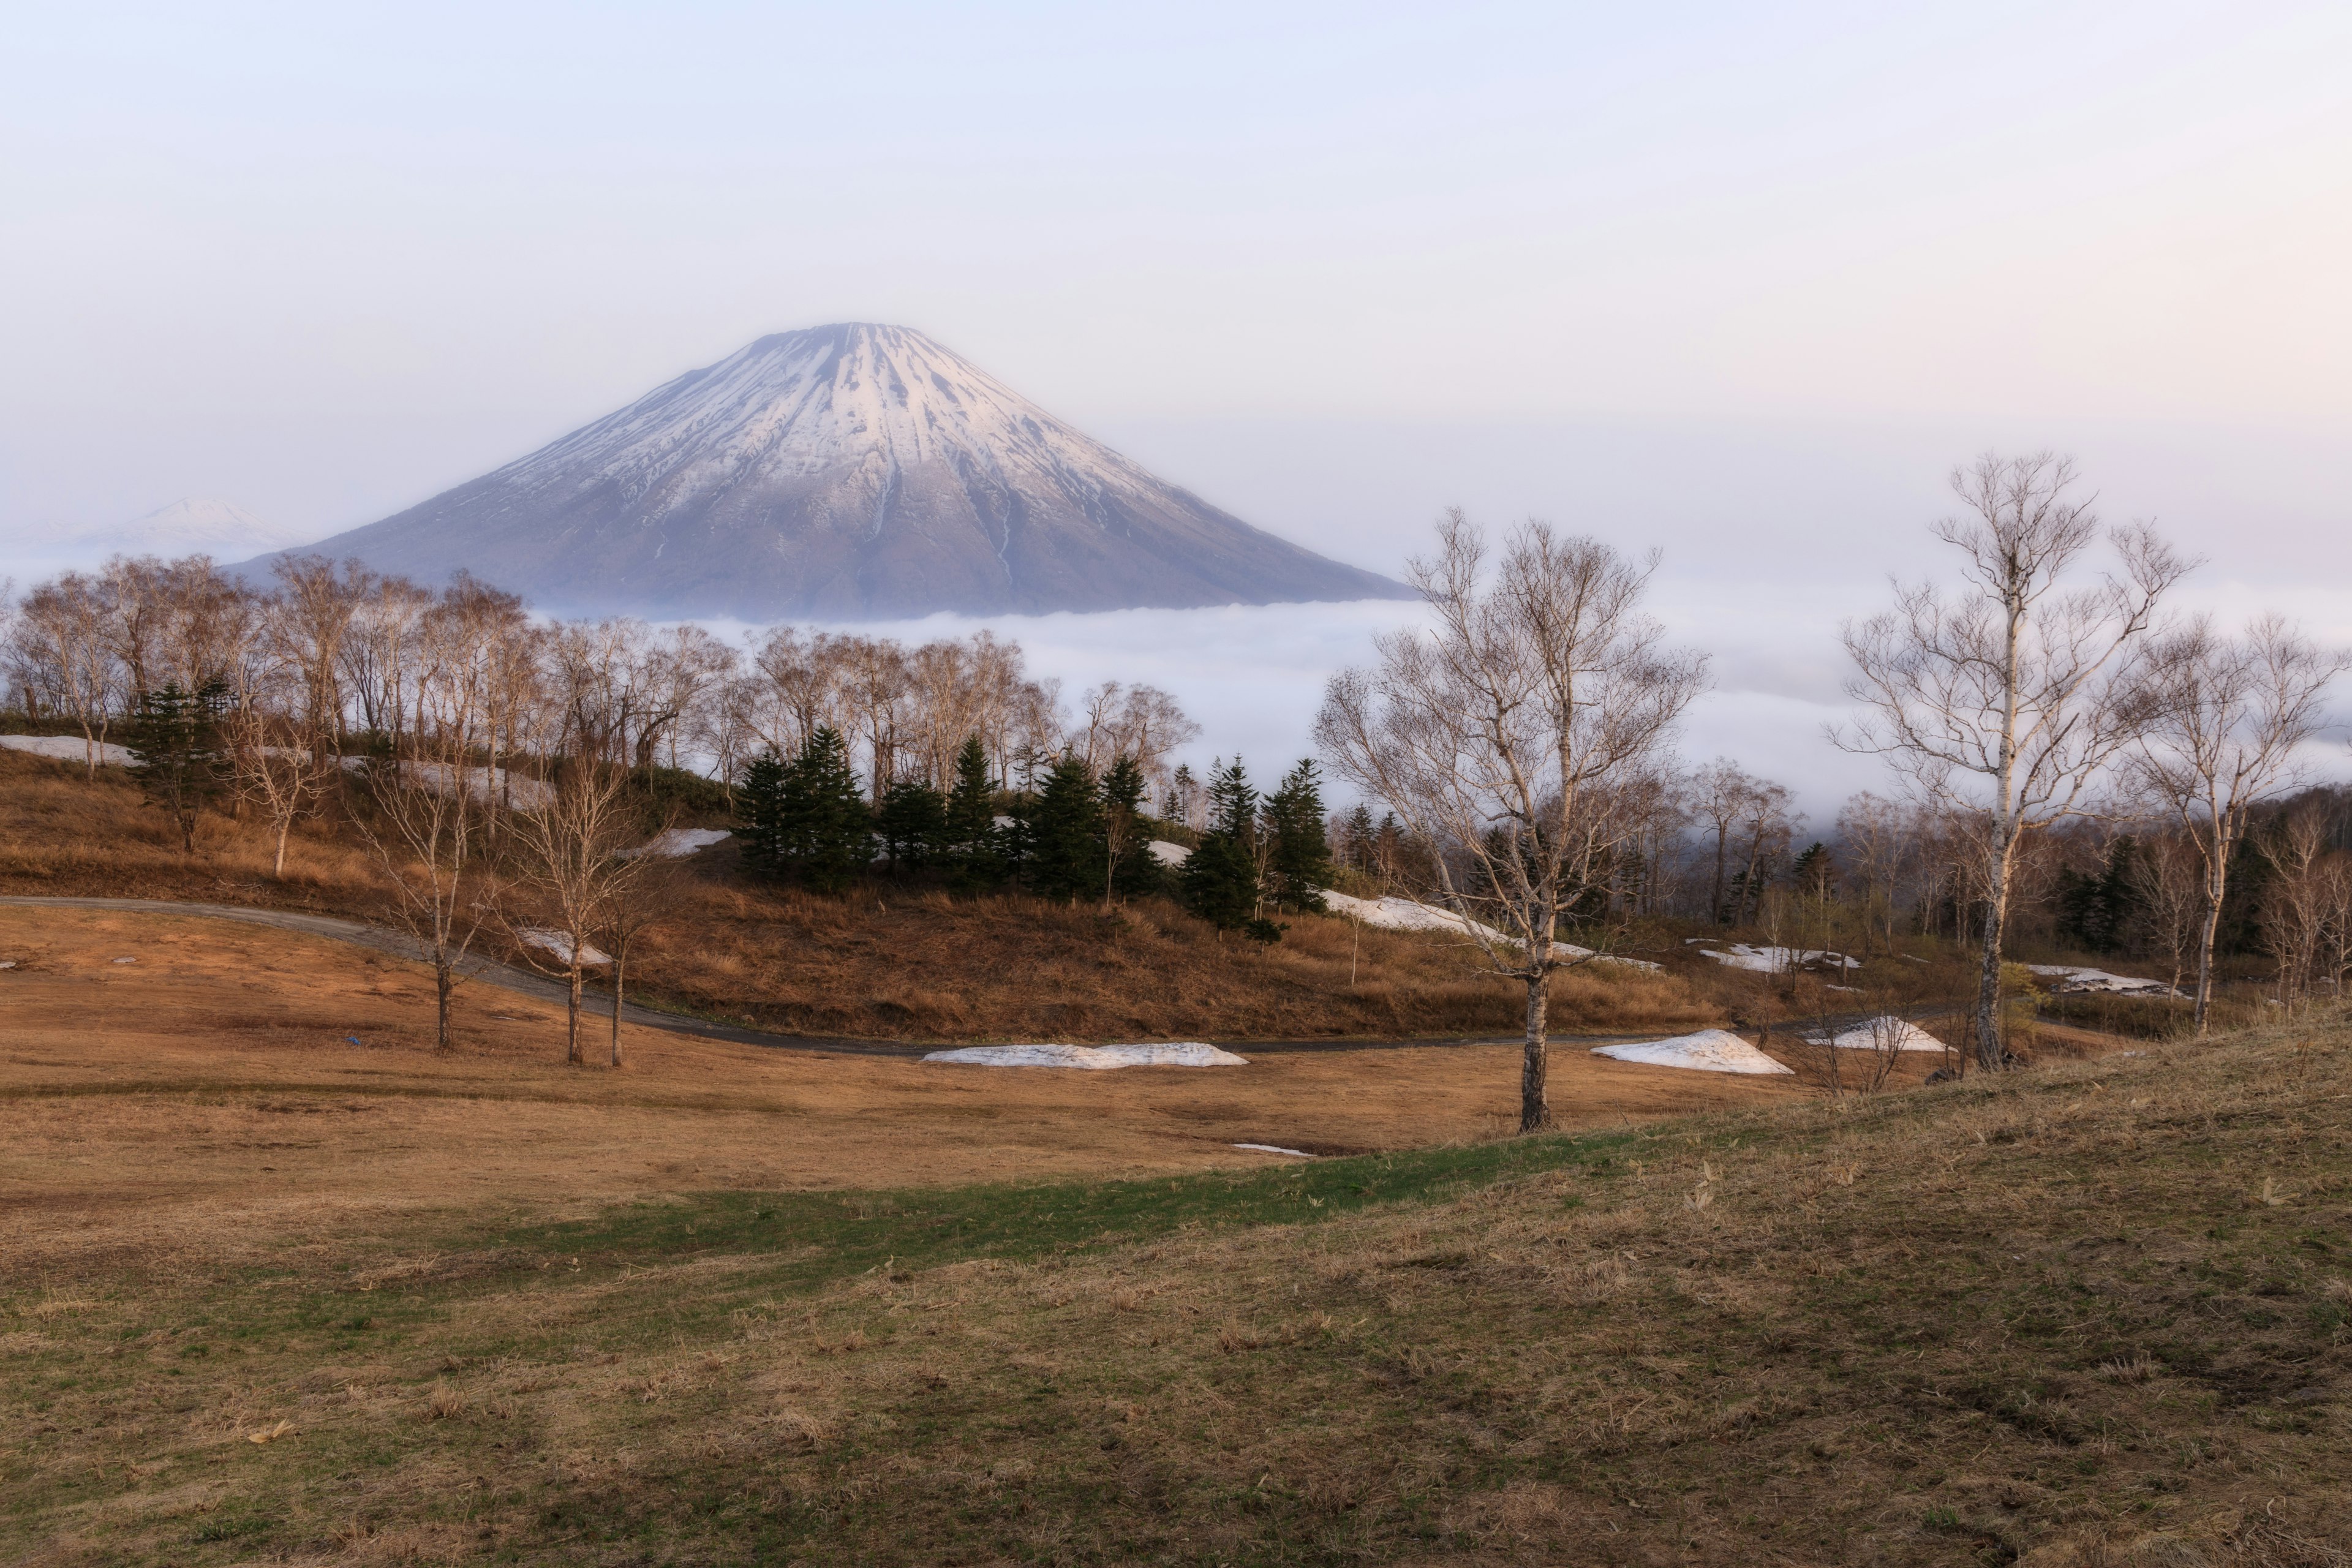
(178, 754)
(1220, 882)
(1066, 829)
(828, 833)
(759, 814)
(1362, 838)
(970, 830)
(1299, 865)
(913, 823)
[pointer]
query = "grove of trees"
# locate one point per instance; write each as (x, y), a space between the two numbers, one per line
(2074, 767)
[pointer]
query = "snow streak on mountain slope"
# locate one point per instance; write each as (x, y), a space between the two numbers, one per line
(848, 472)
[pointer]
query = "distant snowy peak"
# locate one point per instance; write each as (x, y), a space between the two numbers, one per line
(848, 472)
(799, 404)
(195, 527)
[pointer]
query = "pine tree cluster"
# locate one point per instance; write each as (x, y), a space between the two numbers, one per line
(1068, 835)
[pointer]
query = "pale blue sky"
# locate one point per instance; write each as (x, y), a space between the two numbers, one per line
(332, 258)
(1739, 279)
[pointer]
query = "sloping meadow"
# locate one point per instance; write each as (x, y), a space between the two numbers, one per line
(2090, 1313)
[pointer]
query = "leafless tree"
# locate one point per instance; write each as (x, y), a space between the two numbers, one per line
(274, 769)
(1719, 793)
(376, 655)
(424, 833)
(2336, 934)
(1498, 734)
(642, 892)
(61, 629)
(314, 608)
(572, 869)
(1766, 826)
(2169, 875)
(2008, 698)
(2223, 718)
(2293, 918)
(1875, 834)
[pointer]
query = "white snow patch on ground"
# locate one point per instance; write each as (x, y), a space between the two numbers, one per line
(68, 749)
(1775, 960)
(2073, 977)
(1407, 914)
(677, 843)
(556, 942)
(1184, 1053)
(1709, 1050)
(1275, 1149)
(1169, 855)
(489, 785)
(1879, 1033)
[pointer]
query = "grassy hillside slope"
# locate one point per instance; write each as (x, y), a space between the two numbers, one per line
(2090, 1313)
(884, 961)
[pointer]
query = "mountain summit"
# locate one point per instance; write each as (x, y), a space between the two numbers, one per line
(850, 471)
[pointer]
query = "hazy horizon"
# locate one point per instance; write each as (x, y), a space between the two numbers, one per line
(1741, 287)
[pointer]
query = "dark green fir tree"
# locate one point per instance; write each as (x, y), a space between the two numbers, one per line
(1299, 862)
(179, 754)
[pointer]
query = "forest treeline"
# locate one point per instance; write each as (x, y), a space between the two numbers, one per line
(838, 757)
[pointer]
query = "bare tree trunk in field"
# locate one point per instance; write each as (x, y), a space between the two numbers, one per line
(2006, 702)
(422, 835)
(1534, 1061)
(572, 1054)
(575, 876)
(620, 964)
(1986, 1020)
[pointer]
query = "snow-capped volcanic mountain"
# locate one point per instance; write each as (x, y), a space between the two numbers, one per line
(851, 471)
(187, 527)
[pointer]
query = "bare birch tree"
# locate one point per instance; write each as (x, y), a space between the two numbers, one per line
(2222, 720)
(2007, 697)
(2168, 877)
(2293, 917)
(61, 630)
(272, 769)
(1499, 736)
(423, 830)
(573, 868)
(641, 891)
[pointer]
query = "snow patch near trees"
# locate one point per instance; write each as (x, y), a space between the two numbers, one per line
(1774, 960)
(1709, 1050)
(556, 942)
(1880, 1034)
(677, 843)
(2074, 977)
(1184, 1053)
(68, 749)
(1408, 914)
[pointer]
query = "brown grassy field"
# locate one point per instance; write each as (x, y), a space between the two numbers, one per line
(268, 1296)
(878, 964)
(209, 1095)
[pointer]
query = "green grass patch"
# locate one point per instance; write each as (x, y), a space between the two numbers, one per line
(835, 1236)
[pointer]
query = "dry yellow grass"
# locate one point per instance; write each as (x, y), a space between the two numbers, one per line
(878, 964)
(208, 1097)
(2090, 1316)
